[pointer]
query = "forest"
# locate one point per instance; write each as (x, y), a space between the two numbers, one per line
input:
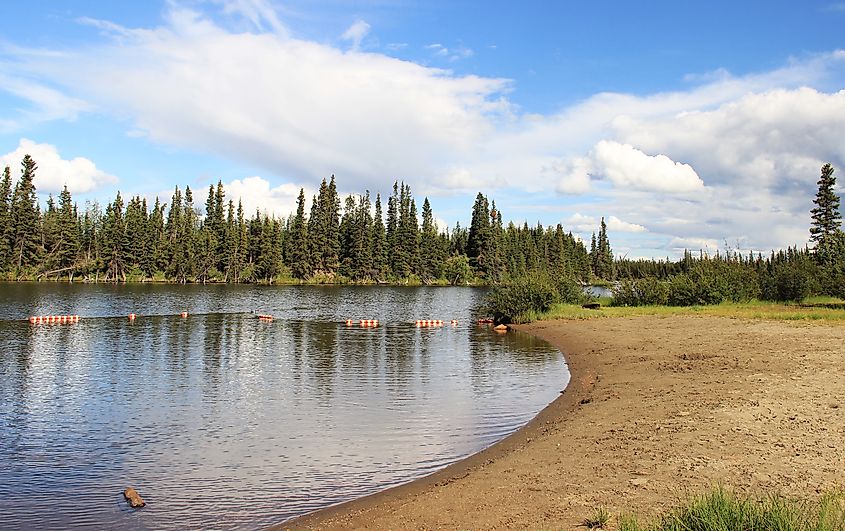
(333, 242)
(360, 240)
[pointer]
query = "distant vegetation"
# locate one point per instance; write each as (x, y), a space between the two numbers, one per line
(336, 242)
(355, 240)
(790, 275)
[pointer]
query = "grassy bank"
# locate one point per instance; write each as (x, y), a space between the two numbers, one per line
(826, 309)
(721, 509)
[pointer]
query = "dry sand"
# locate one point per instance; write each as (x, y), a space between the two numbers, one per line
(658, 407)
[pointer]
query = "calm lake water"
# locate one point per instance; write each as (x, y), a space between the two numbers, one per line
(220, 420)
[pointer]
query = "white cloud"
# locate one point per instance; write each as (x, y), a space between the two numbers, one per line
(356, 33)
(585, 224)
(79, 173)
(301, 109)
(730, 157)
(453, 54)
(573, 176)
(630, 168)
(256, 193)
(46, 103)
(259, 13)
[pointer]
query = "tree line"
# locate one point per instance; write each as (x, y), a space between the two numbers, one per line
(355, 240)
(792, 274)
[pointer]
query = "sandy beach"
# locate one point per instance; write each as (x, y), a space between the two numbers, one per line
(657, 408)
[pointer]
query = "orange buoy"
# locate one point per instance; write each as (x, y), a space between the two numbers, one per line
(183, 314)
(349, 322)
(454, 322)
(131, 316)
(32, 320)
(368, 323)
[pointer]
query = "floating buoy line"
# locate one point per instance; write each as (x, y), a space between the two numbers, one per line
(264, 317)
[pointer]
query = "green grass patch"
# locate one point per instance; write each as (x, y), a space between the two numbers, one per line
(723, 510)
(744, 310)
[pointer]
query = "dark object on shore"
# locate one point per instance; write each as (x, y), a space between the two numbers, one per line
(592, 305)
(133, 498)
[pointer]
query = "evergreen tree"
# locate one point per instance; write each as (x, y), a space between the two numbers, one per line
(392, 232)
(379, 244)
(26, 235)
(479, 235)
(6, 226)
(431, 258)
(825, 215)
(68, 247)
(49, 236)
(300, 266)
(114, 241)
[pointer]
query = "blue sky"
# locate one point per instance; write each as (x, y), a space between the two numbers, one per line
(685, 125)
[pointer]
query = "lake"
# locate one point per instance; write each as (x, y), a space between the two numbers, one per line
(221, 420)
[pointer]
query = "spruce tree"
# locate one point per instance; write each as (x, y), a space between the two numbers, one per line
(379, 244)
(26, 235)
(479, 235)
(300, 266)
(826, 216)
(431, 261)
(68, 247)
(6, 227)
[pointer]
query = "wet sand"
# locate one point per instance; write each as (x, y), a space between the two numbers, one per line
(657, 408)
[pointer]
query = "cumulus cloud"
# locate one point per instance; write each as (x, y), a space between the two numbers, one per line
(573, 176)
(301, 109)
(256, 193)
(79, 173)
(729, 157)
(585, 224)
(356, 33)
(628, 167)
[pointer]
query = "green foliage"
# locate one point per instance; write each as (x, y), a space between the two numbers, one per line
(457, 270)
(598, 519)
(826, 218)
(789, 282)
(513, 302)
(641, 292)
(570, 290)
(723, 510)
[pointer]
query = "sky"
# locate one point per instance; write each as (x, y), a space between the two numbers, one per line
(686, 125)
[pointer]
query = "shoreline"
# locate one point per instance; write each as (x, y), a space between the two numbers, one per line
(581, 380)
(656, 408)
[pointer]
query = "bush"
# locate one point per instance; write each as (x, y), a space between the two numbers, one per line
(571, 291)
(457, 270)
(515, 302)
(641, 292)
(682, 291)
(791, 281)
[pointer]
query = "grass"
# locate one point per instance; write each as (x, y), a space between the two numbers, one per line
(723, 510)
(598, 520)
(809, 310)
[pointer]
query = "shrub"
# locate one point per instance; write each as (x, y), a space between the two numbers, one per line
(457, 270)
(792, 281)
(641, 292)
(570, 291)
(682, 291)
(513, 302)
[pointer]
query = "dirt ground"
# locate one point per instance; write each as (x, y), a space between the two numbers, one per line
(657, 408)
